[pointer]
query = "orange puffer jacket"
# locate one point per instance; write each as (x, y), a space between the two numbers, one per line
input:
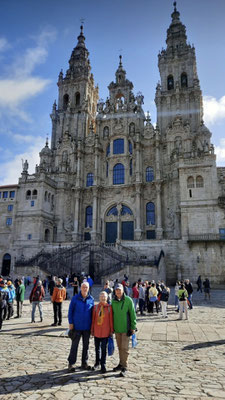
(59, 294)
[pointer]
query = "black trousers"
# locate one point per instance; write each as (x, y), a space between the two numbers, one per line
(141, 305)
(151, 306)
(1, 316)
(74, 347)
(100, 351)
(57, 308)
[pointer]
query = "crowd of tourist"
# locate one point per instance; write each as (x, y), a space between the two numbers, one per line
(115, 313)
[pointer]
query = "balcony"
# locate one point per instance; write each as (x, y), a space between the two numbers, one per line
(206, 237)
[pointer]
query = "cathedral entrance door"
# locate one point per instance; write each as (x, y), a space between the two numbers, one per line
(6, 262)
(111, 232)
(128, 230)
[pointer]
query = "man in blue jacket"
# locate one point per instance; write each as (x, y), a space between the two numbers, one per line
(80, 319)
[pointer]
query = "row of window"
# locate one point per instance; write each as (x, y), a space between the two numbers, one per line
(6, 195)
(49, 197)
(119, 174)
(118, 147)
(183, 81)
(31, 195)
(198, 183)
(150, 214)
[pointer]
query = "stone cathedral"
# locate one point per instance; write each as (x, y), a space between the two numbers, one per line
(113, 182)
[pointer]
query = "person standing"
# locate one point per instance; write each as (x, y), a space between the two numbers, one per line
(164, 299)
(183, 295)
(20, 293)
(12, 295)
(36, 297)
(199, 284)
(75, 285)
(4, 295)
(207, 288)
(141, 298)
(189, 288)
(80, 320)
(153, 293)
(51, 285)
(91, 283)
(58, 296)
(101, 329)
(124, 322)
(109, 291)
(135, 295)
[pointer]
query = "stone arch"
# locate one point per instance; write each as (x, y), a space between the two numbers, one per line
(65, 101)
(6, 264)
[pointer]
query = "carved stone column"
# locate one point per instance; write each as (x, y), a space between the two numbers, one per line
(75, 233)
(138, 230)
(159, 230)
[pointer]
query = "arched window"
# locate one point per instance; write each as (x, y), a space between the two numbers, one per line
(34, 194)
(131, 167)
(65, 101)
(90, 179)
(190, 182)
(107, 169)
(108, 150)
(49, 197)
(118, 174)
(6, 262)
(106, 132)
(28, 195)
(88, 217)
(130, 148)
(47, 235)
(118, 146)
(199, 181)
(126, 210)
(46, 196)
(150, 213)
(132, 127)
(184, 80)
(77, 99)
(112, 211)
(170, 82)
(149, 174)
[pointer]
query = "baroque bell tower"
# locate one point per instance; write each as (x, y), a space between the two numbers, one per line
(77, 98)
(179, 92)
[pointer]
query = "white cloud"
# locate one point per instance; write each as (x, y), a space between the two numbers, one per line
(11, 170)
(214, 110)
(4, 45)
(220, 151)
(20, 84)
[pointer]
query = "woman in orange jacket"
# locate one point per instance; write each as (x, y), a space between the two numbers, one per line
(101, 329)
(58, 296)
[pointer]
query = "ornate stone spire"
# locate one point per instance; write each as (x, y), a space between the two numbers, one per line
(176, 34)
(79, 61)
(120, 73)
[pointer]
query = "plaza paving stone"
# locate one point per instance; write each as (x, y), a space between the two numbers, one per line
(173, 360)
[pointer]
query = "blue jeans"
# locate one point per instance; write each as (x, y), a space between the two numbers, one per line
(34, 305)
(74, 347)
(190, 301)
(135, 301)
(100, 351)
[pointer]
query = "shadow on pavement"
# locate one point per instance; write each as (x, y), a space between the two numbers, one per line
(42, 380)
(38, 331)
(203, 345)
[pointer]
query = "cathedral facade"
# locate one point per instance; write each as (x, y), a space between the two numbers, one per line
(111, 177)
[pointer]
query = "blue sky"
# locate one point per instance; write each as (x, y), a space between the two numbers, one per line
(36, 41)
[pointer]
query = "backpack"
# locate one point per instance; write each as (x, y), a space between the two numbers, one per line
(165, 295)
(36, 293)
(182, 297)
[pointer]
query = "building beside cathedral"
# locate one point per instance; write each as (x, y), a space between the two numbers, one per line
(110, 180)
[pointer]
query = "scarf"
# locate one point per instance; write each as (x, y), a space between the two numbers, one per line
(100, 316)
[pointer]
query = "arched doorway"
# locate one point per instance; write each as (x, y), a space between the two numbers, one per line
(119, 222)
(6, 263)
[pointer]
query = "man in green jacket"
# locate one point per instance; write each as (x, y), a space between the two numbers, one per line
(20, 292)
(124, 320)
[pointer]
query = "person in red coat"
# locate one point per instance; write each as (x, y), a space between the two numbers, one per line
(101, 329)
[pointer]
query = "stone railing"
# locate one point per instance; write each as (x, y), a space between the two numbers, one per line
(206, 237)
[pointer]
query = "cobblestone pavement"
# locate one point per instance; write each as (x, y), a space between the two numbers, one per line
(173, 360)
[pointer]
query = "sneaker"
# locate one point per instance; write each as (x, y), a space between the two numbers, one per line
(32, 321)
(123, 372)
(53, 324)
(59, 323)
(95, 367)
(118, 368)
(86, 367)
(71, 368)
(103, 370)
